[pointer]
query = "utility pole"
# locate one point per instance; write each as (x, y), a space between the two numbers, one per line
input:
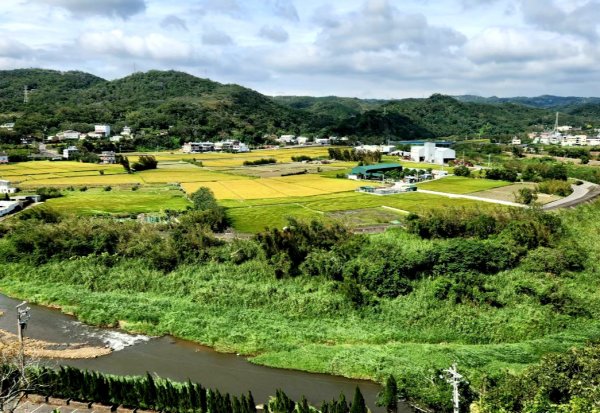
(454, 378)
(23, 317)
(25, 94)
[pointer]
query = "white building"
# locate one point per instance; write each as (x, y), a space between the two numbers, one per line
(69, 152)
(322, 141)
(5, 187)
(286, 139)
(386, 149)
(126, 131)
(108, 157)
(102, 130)
(68, 135)
(6, 207)
(198, 147)
(302, 140)
(516, 140)
(231, 146)
(3, 158)
(115, 138)
(431, 154)
(564, 128)
(593, 141)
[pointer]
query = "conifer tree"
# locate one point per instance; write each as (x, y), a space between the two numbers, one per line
(303, 406)
(358, 403)
(388, 398)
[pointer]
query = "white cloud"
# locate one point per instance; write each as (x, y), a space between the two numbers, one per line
(111, 8)
(583, 20)
(274, 33)
(381, 26)
(174, 22)
(215, 37)
(499, 45)
(151, 46)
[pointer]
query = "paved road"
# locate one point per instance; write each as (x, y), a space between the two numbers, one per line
(581, 194)
(472, 197)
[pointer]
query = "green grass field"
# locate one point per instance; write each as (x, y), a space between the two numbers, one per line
(461, 185)
(255, 215)
(97, 201)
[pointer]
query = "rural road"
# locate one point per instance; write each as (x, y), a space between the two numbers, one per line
(472, 197)
(581, 194)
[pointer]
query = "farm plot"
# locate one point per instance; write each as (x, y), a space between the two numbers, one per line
(184, 174)
(93, 180)
(282, 187)
(124, 201)
(461, 185)
(361, 209)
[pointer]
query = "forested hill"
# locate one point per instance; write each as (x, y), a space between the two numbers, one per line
(543, 101)
(442, 116)
(187, 107)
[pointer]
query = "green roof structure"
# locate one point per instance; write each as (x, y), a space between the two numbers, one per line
(377, 169)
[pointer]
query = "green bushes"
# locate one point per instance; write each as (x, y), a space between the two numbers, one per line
(566, 382)
(462, 170)
(144, 163)
(351, 155)
(501, 174)
(555, 187)
(48, 193)
(261, 161)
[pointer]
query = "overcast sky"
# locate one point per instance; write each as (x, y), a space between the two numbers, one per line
(362, 48)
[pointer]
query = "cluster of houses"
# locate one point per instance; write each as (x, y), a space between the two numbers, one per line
(222, 146)
(557, 137)
(303, 140)
(100, 131)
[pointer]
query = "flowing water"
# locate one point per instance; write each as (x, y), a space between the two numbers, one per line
(181, 360)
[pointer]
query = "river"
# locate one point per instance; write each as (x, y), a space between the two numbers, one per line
(181, 360)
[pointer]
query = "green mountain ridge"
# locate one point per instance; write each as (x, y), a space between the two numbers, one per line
(189, 107)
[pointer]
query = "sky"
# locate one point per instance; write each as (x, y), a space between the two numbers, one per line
(360, 48)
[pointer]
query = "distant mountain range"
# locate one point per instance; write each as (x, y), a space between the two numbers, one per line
(192, 108)
(544, 101)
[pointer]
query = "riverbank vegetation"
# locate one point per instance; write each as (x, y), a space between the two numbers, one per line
(490, 290)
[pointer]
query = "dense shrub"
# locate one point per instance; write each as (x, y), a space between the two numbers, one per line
(501, 174)
(462, 170)
(144, 163)
(567, 382)
(262, 161)
(48, 193)
(555, 187)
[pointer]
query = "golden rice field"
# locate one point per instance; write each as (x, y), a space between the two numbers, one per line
(226, 160)
(282, 187)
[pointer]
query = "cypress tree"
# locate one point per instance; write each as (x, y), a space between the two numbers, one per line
(236, 406)
(150, 392)
(251, 403)
(358, 403)
(341, 406)
(303, 406)
(202, 396)
(388, 398)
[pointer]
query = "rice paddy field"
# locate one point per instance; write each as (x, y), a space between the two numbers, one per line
(462, 185)
(121, 202)
(255, 196)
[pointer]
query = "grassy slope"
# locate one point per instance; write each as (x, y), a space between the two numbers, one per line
(306, 323)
